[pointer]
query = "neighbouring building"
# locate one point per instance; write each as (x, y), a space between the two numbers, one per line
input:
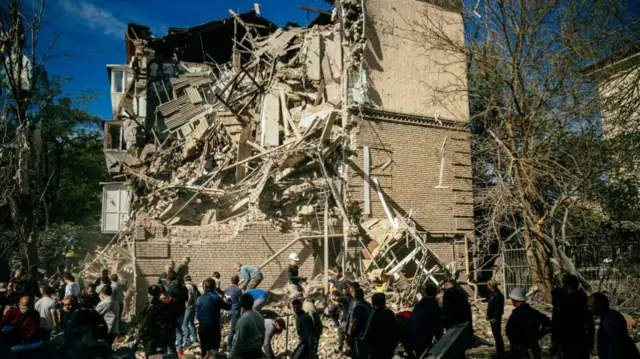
(235, 141)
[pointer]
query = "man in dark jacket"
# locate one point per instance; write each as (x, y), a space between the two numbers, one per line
(176, 294)
(305, 329)
(576, 326)
(425, 322)
(21, 324)
(495, 310)
(455, 305)
(358, 319)
(614, 341)
(89, 296)
(233, 293)
(154, 320)
(81, 316)
(381, 342)
(208, 308)
(525, 327)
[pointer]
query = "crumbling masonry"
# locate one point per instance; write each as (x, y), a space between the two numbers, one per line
(235, 141)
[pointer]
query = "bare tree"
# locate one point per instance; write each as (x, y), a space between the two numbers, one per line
(537, 145)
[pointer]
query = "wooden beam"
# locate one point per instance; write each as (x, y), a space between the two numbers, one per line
(316, 10)
(326, 246)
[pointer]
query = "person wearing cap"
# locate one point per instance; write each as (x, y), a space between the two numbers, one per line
(271, 328)
(305, 329)
(251, 276)
(525, 327)
(293, 270)
(495, 310)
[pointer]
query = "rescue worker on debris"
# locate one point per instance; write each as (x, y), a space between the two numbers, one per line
(455, 305)
(525, 327)
(304, 327)
(293, 274)
(495, 310)
(260, 297)
(425, 322)
(183, 268)
(251, 276)
(271, 328)
(358, 324)
(339, 313)
(250, 331)
(310, 309)
(614, 341)
(380, 341)
(577, 329)
(154, 321)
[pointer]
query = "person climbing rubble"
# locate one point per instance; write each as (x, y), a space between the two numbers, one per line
(305, 330)
(525, 327)
(260, 298)
(293, 274)
(251, 276)
(272, 328)
(339, 314)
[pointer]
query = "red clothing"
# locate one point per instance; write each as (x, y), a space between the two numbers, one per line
(26, 326)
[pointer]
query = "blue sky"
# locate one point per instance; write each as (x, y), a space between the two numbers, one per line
(90, 33)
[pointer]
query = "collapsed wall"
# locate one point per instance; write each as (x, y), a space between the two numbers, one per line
(298, 144)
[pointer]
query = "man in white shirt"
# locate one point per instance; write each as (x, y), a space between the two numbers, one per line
(46, 306)
(110, 311)
(71, 287)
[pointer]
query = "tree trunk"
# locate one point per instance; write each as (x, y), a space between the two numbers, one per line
(538, 258)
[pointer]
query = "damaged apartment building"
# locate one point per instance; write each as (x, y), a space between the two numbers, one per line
(236, 141)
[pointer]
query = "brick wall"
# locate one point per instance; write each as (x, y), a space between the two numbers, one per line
(410, 180)
(248, 247)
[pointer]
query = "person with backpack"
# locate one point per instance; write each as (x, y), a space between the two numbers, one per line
(188, 327)
(358, 320)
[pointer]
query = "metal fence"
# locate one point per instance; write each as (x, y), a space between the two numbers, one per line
(613, 268)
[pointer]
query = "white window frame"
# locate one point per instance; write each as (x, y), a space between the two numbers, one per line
(113, 80)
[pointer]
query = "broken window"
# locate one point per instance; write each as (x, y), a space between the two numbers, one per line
(117, 81)
(113, 136)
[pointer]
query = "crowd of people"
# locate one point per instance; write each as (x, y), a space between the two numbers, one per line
(33, 313)
(35, 309)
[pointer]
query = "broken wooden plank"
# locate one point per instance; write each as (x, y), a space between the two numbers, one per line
(270, 121)
(288, 120)
(326, 132)
(243, 152)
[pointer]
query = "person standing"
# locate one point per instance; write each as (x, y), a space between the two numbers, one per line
(233, 293)
(4, 299)
(380, 341)
(188, 327)
(208, 308)
(21, 324)
(614, 341)
(98, 281)
(89, 296)
(57, 282)
(310, 309)
(154, 320)
(118, 294)
(304, 327)
(109, 309)
(455, 305)
(425, 323)
(251, 276)
(70, 286)
(47, 308)
(272, 328)
(576, 322)
(525, 327)
(183, 268)
(250, 331)
(357, 325)
(495, 310)
(102, 281)
(169, 268)
(178, 293)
